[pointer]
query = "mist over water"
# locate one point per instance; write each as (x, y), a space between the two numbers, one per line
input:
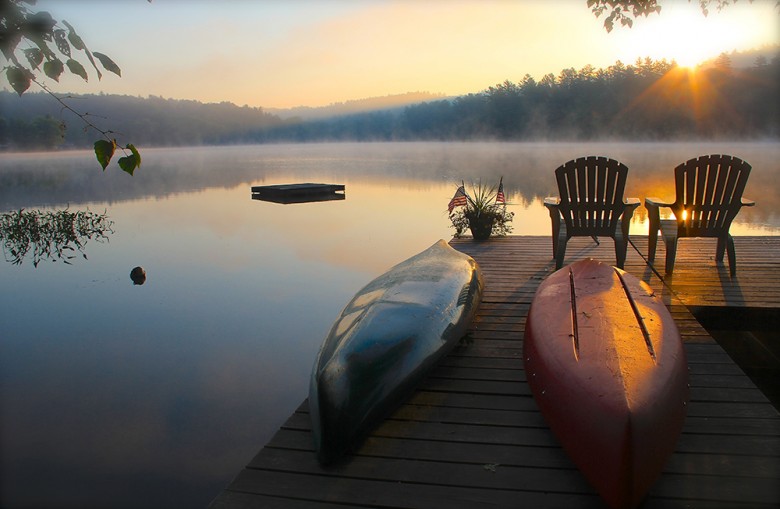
(123, 395)
(59, 179)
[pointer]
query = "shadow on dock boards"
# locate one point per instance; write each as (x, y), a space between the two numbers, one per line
(751, 337)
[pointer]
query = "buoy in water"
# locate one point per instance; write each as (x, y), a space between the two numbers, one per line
(138, 275)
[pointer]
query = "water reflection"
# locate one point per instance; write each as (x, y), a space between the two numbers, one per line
(28, 180)
(51, 235)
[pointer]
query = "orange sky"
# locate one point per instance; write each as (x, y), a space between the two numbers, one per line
(285, 53)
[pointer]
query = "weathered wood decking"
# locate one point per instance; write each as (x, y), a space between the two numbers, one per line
(471, 436)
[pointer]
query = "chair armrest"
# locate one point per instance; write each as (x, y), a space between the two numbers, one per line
(652, 201)
(628, 212)
(631, 205)
(652, 204)
(747, 203)
(552, 204)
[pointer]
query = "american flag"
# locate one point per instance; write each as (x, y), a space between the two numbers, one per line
(500, 198)
(459, 199)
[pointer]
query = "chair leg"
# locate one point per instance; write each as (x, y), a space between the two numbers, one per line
(621, 239)
(732, 256)
(621, 247)
(671, 254)
(555, 219)
(720, 249)
(652, 240)
(560, 252)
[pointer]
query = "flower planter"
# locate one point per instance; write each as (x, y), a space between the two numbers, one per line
(481, 227)
(483, 213)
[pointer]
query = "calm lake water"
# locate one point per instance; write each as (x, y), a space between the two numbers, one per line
(116, 395)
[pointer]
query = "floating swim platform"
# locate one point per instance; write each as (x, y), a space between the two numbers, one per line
(299, 193)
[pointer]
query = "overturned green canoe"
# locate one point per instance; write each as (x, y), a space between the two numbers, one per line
(386, 340)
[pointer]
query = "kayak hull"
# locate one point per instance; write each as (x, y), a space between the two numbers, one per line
(606, 365)
(386, 340)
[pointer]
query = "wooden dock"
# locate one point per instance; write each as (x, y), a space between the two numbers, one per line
(471, 436)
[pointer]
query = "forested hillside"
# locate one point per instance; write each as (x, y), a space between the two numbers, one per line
(37, 121)
(649, 100)
(653, 100)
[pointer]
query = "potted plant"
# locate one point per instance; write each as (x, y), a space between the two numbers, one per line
(483, 212)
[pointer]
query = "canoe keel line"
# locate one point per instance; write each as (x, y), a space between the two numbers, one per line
(612, 381)
(386, 340)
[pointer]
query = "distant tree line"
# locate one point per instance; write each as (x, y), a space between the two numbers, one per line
(151, 121)
(40, 133)
(648, 100)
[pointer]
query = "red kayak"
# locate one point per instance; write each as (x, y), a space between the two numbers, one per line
(607, 368)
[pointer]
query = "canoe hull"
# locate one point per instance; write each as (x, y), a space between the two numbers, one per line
(386, 340)
(606, 365)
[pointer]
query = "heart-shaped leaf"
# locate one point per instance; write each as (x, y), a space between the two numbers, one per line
(73, 37)
(104, 151)
(76, 68)
(136, 154)
(34, 56)
(108, 64)
(129, 163)
(62, 42)
(77, 42)
(19, 78)
(53, 69)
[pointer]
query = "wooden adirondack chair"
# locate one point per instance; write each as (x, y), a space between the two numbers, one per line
(709, 196)
(591, 204)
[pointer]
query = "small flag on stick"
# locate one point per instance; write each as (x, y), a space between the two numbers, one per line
(500, 198)
(459, 199)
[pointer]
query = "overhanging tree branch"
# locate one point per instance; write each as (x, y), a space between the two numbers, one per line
(47, 46)
(626, 11)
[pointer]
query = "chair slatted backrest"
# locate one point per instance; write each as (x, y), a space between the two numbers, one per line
(591, 192)
(709, 194)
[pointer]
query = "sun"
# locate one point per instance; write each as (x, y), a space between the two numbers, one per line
(683, 34)
(691, 54)
(690, 38)
(690, 62)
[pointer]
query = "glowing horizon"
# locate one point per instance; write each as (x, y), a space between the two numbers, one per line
(281, 54)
